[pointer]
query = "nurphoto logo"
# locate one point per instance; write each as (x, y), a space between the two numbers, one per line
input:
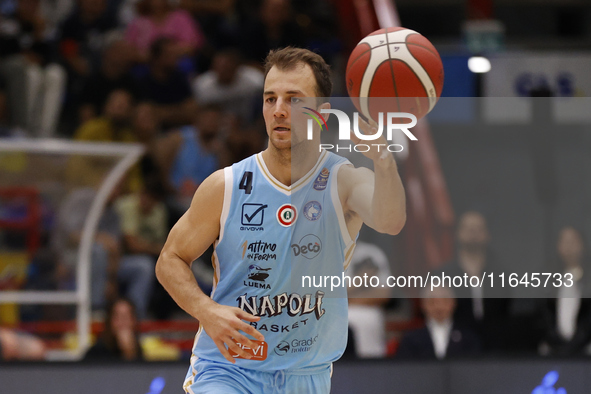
(390, 122)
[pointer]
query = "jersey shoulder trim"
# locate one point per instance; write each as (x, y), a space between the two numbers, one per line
(336, 201)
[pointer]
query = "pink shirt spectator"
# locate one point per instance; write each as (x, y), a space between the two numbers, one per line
(178, 25)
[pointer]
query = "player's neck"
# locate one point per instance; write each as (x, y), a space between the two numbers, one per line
(289, 165)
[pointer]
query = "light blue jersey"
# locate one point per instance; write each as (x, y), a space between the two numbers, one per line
(269, 235)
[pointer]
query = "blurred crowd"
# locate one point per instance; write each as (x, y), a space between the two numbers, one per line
(183, 78)
(62, 60)
(476, 321)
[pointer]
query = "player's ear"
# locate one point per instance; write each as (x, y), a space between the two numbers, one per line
(325, 105)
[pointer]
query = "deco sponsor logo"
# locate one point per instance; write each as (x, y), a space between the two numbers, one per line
(309, 247)
(295, 346)
(259, 251)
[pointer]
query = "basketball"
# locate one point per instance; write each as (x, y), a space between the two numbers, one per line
(397, 63)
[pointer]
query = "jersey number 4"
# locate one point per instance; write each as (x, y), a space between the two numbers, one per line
(246, 182)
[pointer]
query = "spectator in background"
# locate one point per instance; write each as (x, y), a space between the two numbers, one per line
(483, 309)
(217, 19)
(113, 270)
(113, 126)
(5, 128)
(55, 13)
(158, 19)
(35, 85)
(147, 131)
(144, 224)
(567, 317)
(274, 28)
(242, 142)
(366, 313)
(230, 84)
(191, 154)
(112, 75)
(20, 346)
(442, 337)
(143, 220)
(83, 36)
(120, 338)
(166, 87)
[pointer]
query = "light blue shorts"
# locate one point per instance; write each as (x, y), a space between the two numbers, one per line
(211, 377)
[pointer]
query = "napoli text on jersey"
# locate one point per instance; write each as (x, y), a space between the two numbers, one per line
(268, 233)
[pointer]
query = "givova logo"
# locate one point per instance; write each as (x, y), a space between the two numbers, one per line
(386, 122)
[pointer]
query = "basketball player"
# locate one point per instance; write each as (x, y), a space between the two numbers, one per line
(290, 205)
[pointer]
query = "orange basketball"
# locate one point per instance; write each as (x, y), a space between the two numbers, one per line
(398, 63)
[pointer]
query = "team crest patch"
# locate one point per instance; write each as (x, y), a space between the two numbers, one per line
(287, 215)
(312, 210)
(321, 179)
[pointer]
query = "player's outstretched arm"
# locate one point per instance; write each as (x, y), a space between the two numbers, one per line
(195, 231)
(376, 197)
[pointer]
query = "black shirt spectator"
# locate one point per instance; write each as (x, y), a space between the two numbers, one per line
(120, 339)
(113, 75)
(567, 316)
(24, 33)
(274, 28)
(442, 337)
(174, 88)
(83, 35)
(484, 309)
(166, 87)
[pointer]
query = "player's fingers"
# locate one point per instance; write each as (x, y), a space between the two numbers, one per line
(246, 316)
(364, 126)
(245, 341)
(250, 330)
(231, 342)
(224, 351)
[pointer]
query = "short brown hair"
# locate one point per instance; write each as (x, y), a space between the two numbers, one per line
(288, 58)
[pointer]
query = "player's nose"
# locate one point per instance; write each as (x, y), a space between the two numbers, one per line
(281, 108)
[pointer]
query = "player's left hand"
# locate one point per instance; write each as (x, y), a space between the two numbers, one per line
(378, 148)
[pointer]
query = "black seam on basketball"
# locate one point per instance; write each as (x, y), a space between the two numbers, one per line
(374, 74)
(416, 75)
(411, 43)
(405, 43)
(392, 72)
(425, 48)
(357, 58)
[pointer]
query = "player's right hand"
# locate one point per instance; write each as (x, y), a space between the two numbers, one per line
(223, 325)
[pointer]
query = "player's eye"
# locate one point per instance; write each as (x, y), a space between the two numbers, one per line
(270, 100)
(295, 100)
